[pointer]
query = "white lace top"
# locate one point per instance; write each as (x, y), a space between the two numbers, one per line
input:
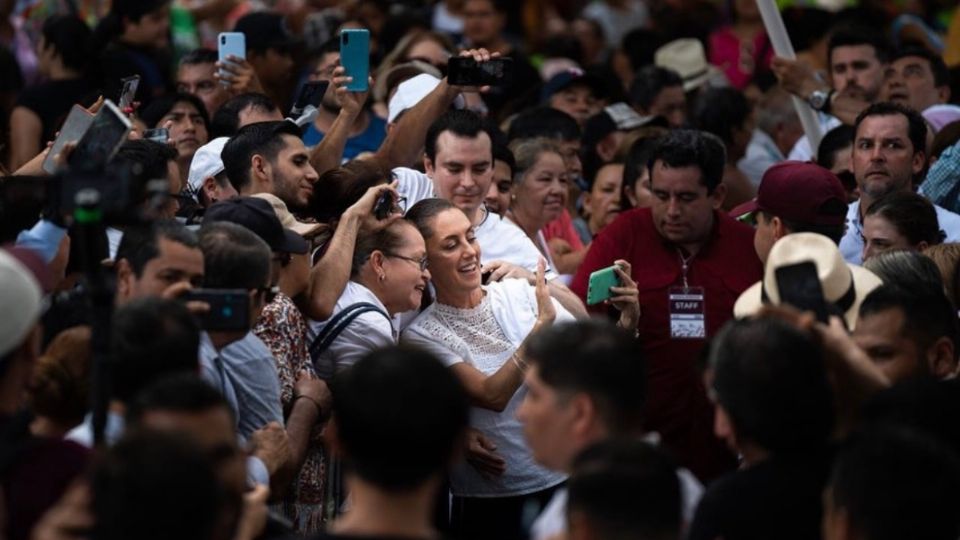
(485, 336)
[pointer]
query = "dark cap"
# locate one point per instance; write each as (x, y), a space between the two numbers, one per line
(258, 216)
(570, 77)
(264, 30)
(802, 193)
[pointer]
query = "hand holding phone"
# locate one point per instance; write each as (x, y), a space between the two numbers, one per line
(468, 71)
(128, 93)
(799, 286)
(229, 308)
(355, 57)
(600, 283)
(230, 44)
(311, 93)
(108, 130)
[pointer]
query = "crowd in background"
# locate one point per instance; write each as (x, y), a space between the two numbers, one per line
(621, 293)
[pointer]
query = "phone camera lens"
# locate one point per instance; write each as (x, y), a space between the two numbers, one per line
(223, 40)
(346, 39)
(228, 312)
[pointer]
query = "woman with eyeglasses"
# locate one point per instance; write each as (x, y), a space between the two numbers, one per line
(388, 276)
(479, 332)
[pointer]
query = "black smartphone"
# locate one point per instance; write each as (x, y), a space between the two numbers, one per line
(465, 71)
(799, 285)
(229, 308)
(107, 131)
(128, 92)
(311, 93)
(384, 205)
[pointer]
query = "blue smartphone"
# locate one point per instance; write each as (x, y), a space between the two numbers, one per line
(231, 43)
(355, 57)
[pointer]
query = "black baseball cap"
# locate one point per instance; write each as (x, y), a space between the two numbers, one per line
(258, 216)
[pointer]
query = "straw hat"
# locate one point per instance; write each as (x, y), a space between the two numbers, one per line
(286, 218)
(844, 285)
(687, 57)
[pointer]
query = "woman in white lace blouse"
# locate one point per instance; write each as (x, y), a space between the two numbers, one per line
(478, 331)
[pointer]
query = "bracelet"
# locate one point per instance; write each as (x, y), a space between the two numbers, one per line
(315, 402)
(517, 361)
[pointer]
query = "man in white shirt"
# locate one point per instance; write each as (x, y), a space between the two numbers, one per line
(458, 160)
(888, 153)
(584, 386)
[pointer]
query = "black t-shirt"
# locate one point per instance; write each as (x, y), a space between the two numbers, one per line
(52, 100)
(777, 498)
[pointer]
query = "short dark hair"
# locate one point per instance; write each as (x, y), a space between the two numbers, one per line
(544, 122)
(386, 240)
(434, 413)
(141, 243)
(263, 138)
(692, 148)
(600, 360)
(851, 35)
(340, 188)
(151, 338)
(720, 111)
(917, 129)
(462, 123)
(893, 483)
(233, 257)
(164, 479)
(182, 393)
(226, 120)
(202, 55)
(928, 314)
(143, 160)
(913, 215)
(71, 38)
(941, 75)
(626, 489)
(158, 108)
(836, 139)
(771, 380)
(638, 155)
(649, 82)
(423, 213)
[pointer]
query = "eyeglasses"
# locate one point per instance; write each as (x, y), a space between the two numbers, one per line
(269, 293)
(421, 263)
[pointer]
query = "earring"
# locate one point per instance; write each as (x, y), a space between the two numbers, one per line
(382, 277)
(513, 197)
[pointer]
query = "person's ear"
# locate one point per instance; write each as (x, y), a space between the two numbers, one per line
(719, 195)
(583, 416)
(125, 278)
(210, 188)
(260, 168)
(376, 263)
(919, 161)
(427, 165)
(941, 358)
(607, 148)
(779, 229)
(943, 92)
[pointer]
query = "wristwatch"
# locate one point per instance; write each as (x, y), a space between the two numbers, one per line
(820, 100)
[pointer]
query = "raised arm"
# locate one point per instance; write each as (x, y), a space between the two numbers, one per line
(330, 275)
(495, 391)
(328, 154)
(404, 142)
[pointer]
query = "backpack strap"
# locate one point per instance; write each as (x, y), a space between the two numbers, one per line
(337, 324)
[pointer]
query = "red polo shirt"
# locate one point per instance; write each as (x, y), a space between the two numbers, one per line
(677, 404)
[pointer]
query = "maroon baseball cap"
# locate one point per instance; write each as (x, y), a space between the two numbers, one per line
(801, 192)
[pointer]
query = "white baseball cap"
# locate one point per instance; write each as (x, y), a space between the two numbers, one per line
(412, 91)
(206, 163)
(22, 301)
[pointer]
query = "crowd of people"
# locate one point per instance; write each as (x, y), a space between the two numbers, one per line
(621, 292)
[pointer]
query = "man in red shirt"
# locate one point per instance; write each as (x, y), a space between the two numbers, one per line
(690, 261)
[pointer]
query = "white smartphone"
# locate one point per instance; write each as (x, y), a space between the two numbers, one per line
(128, 93)
(231, 44)
(72, 130)
(101, 141)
